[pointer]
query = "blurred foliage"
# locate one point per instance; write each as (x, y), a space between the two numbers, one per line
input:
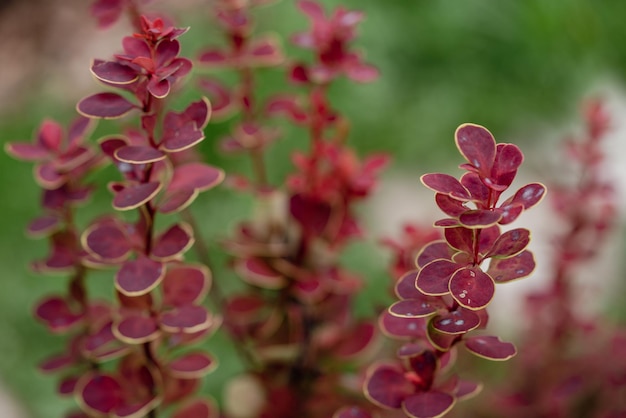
(506, 64)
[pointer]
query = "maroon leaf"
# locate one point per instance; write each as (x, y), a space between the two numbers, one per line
(413, 308)
(136, 329)
(26, 152)
(479, 218)
(99, 394)
(434, 251)
(460, 238)
(472, 288)
(478, 146)
(138, 154)
(57, 362)
(56, 313)
(312, 214)
(507, 269)
(138, 277)
(191, 366)
(446, 184)
(355, 340)
(67, 385)
(265, 51)
(197, 408)
(107, 242)
(450, 206)
(137, 409)
(187, 319)
(510, 212)
(256, 272)
(134, 196)
(185, 284)
(459, 321)
(405, 286)
(431, 404)
(510, 243)
(528, 196)
(507, 161)
(386, 386)
(48, 177)
(181, 138)
(466, 389)
(352, 412)
(491, 348)
(214, 57)
(177, 200)
(434, 277)
(172, 243)
(113, 72)
(44, 225)
(197, 176)
(441, 341)
(479, 191)
(401, 328)
(104, 105)
(362, 73)
(221, 101)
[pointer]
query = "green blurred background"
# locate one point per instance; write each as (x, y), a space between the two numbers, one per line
(517, 67)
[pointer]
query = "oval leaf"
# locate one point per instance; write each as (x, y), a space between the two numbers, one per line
(472, 288)
(187, 319)
(104, 105)
(491, 348)
(173, 243)
(431, 404)
(132, 197)
(138, 277)
(433, 279)
(136, 329)
(192, 366)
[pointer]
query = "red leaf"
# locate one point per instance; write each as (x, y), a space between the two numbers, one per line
(528, 196)
(48, 176)
(172, 243)
(405, 286)
(386, 386)
(99, 394)
(56, 313)
(44, 225)
(507, 269)
(312, 9)
(221, 100)
(256, 272)
(187, 319)
(507, 161)
(198, 176)
(413, 308)
(510, 243)
(107, 242)
(434, 277)
(138, 154)
(434, 251)
(113, 72)
(441, 341)
(26, 152)
(191, 366)
(352, 412)
(431, 404)
(449, 206)
(478, 147)
(459, 321)
(136, 329)
(185, 284)
(197, 408)
(479, 218)
(104, 105)
(362, 73)
(491, 348)
(472, 288)
(182, 138)
(57, 362)
(133, 196)
(265, 51)
(355, 340)
(138, 277)
(177, 200)
(460, 238)
(214, 57)
(401, 328)
(446, 184)
(466, 389)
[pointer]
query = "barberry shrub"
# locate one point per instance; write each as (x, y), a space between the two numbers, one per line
(303, 351)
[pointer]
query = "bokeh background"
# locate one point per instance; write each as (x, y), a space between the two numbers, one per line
(520, 68)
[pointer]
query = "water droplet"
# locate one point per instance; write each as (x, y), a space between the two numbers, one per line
(515, 235)
(446, 321)
(459, 322)
(472, 274)
(412, 326)
(462, 294)
(520, 271)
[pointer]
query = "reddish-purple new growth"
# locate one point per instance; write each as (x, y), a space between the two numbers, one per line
(445, 297)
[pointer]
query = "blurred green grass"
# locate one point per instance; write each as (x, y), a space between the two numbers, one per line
(509, 65)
